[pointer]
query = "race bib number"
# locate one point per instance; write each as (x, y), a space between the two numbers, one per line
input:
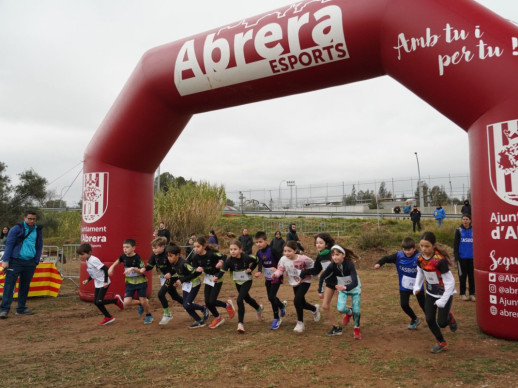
(162, 280)
(240, 276)
(407, 282)
(268, 272)
(431, 277)
(292, 271)
(343, 280)
(132, 274)
(187, 286)
(209, 280)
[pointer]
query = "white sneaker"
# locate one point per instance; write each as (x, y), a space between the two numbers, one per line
(259, 312)
(316, 314)
(240, 328)
(299, 327)
(165, 319)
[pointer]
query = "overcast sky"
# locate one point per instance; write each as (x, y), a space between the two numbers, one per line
(63, 63)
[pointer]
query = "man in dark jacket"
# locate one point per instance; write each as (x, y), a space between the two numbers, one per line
(246, 241)
(415, 216)
(21, 256)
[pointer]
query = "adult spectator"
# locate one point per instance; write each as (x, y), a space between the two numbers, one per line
(3, 235)
(189, 246)
(21, 256)
(415, 216)
(439, 215)
(277, 245)
(407, 207)
(163, 232)
(466, 208)
(293, 236)
(213, 239)
(246, 241)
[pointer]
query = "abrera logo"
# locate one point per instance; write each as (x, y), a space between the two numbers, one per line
(302, 35)
(503, 159)
(95, 196)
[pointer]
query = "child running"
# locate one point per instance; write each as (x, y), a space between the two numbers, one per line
(241, 265)
(99, 273)
(210, 262)
(268, 264)
(433, 266)
(292, 264)
(343, 274)
(159, 260)
(136, 281)
(186, 277)
(406, 265)
(323, 243)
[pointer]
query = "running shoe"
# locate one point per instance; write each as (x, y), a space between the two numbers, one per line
(464, 298)
(316, 313)
(439, 347)
(414, 323)
(148, 319)
(336, 330)
(25, 311)
(206, 314)
(472, 298)
(216, 322)
(346, 319)
(357, 334)
(196, 325)
(259, 311)
(140, 310)
(165, 319)
(453, 323)
(119, 302)
(107, 321)
(230, 309)
(276, 323)
(299, 327)
(282, 310)
(240, 328)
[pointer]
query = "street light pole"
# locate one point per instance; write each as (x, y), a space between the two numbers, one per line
(280, 200)
(291, 184)
(419, 184)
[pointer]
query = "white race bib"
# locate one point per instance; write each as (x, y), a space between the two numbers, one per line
(162, 280)
(240, 276)
(132, 274)
(344, 280)
(187, 286)
(268, 272)
(292, 271)
(407, 282)
(431, 277)
(209, 280)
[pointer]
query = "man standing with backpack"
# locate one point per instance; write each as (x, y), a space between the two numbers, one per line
(22, 254)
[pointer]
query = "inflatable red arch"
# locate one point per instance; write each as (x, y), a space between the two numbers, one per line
(456, 55)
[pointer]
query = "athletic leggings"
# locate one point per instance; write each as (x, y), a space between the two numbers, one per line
(465, 267)
(300, 300)
(443, 316)
(211, 298)
(341, 305)
(169, 288)
(404, 300)
(244, 296)
(271, 290)
(189, 305)
(100, 302)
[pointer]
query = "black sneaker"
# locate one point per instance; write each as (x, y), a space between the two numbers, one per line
(336, 330)
(206, 314)
(3, 314)
(27, 311)
(453, 323)
(197, 325)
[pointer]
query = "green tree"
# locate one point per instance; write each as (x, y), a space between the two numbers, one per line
(438, 196)
(383, 192)
(167, 179)
(351, 198)
(31, 191)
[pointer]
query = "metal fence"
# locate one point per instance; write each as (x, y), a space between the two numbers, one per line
(336, 227)
(289, 195)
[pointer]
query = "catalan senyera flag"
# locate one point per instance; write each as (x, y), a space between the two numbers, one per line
(45, 282)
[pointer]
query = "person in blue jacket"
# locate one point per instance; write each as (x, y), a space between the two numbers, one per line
(21, 256)
(406, 264)
(463, 252)
(439, 215)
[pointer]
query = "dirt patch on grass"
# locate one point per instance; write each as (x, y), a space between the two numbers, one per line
(62, 345)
